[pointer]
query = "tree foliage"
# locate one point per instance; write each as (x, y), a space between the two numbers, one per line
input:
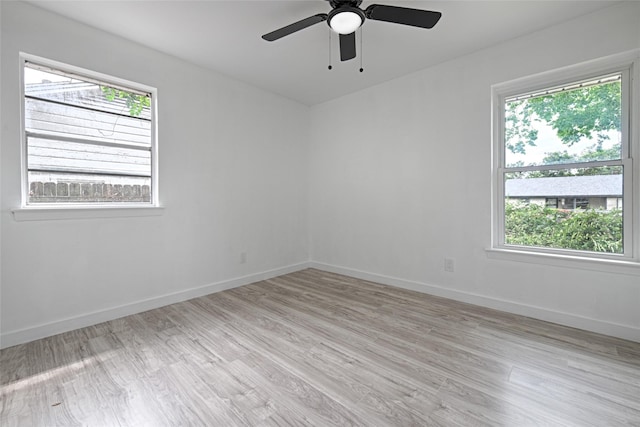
(518, 127)
(135, 103)
(594, 153)
(584, 230)
(574, 114)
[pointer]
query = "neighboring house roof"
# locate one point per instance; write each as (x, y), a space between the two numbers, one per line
(566, 186)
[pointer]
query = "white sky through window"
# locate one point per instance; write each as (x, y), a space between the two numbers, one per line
(36, 76)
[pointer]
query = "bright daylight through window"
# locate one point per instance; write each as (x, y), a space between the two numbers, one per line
(564, 168)
(87, 141)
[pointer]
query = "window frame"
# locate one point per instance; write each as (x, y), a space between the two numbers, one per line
(551, 205)
(93, 209)
(628, 64)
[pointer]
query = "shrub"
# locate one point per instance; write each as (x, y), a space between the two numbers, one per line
(584, 230)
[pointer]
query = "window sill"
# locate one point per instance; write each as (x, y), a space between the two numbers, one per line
(629, 267)
(61, 213)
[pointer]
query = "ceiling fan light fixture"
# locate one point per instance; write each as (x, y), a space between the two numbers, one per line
(345, 20)
(346, 17)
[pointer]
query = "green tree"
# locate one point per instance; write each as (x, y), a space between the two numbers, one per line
(518, 127)
(136, 103)
(585, 230)
(574, 114)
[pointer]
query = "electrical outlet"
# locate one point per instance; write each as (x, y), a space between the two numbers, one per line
(449, 265)
(243, 257)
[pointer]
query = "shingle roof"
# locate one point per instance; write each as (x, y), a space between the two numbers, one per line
(566, 186)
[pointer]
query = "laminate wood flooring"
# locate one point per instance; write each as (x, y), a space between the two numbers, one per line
(316, 348)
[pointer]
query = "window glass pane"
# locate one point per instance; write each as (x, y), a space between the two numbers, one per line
(588, 216)
(60, 187)
(87, 141)
(575, 123)
(62, 156)
(68, 121)
(88, 94)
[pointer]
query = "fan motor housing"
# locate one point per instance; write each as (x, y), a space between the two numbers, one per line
(339, 3)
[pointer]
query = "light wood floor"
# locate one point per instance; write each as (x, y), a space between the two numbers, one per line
(314, 348)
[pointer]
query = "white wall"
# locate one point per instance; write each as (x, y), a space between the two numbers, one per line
(404, 179)
(247, 147)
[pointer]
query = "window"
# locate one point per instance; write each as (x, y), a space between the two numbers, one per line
(582, 203)
(551, 202)
(89, 139)
(566, 142)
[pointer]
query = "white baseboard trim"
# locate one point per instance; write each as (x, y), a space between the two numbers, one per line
(567, 319)
(11, 338)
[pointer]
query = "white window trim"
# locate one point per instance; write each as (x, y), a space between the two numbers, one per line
(84, 212)
(46, 211)
(567, 261)
(629, 263)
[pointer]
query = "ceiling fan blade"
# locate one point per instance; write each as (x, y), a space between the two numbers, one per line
(403, 15)
(347, 46)
(296, 26)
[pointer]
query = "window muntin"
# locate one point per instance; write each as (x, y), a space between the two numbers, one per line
(88, 141)
(595, 145)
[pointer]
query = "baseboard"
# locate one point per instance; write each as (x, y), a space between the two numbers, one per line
(567, 319)
(9, 339)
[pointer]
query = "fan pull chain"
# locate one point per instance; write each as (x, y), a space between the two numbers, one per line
(361, 51)
(330, 67)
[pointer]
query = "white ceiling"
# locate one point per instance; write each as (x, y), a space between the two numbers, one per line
(225, 36)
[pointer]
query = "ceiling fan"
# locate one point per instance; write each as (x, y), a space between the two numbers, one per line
(346, 17)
